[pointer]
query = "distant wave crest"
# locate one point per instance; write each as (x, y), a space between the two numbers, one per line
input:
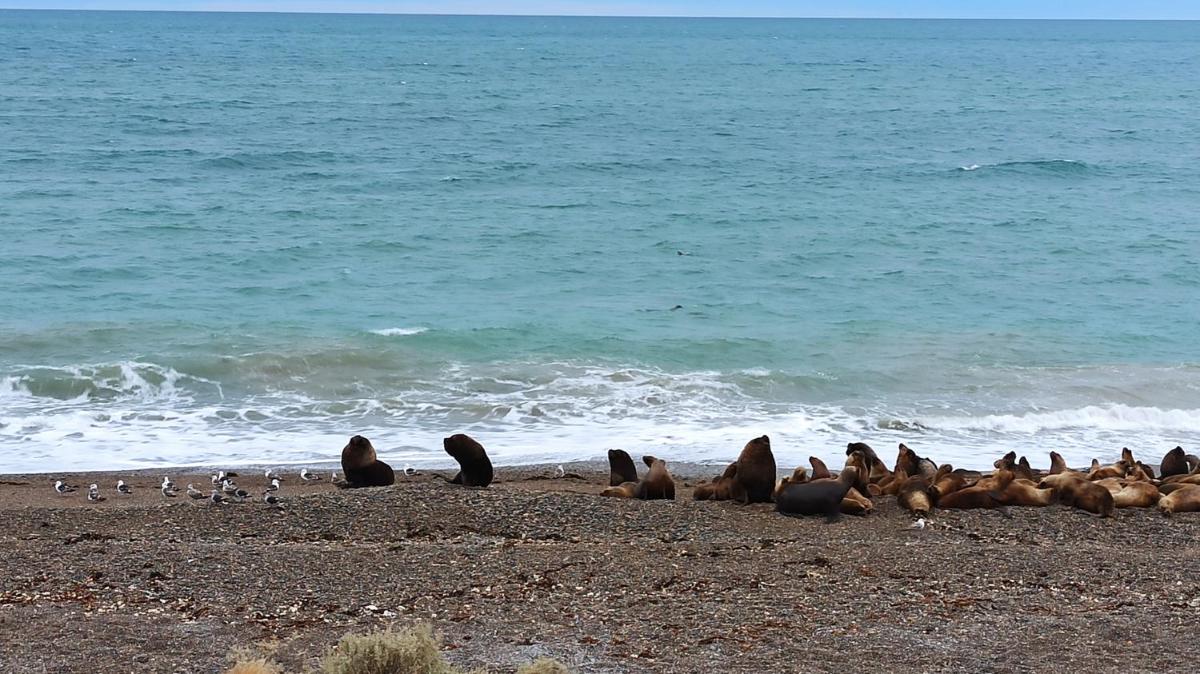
(398, 332)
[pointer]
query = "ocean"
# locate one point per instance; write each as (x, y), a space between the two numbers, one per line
(243, 238)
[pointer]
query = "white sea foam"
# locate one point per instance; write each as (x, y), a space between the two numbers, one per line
(398, 332)
(1092, 417)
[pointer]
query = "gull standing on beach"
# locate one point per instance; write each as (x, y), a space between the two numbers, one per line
(409, 471)
(63, 488)
(271, 475)
(274, 485)
(559, 472)
(307, 476)
(94, 493)
(123, 488)
(270, 499)
(194, 493)
(216, 497)
(168, 487)
(228, 486)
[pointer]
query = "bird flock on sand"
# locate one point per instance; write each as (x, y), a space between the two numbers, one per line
(223, 488)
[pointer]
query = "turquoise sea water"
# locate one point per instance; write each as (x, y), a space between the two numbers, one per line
(242, 238)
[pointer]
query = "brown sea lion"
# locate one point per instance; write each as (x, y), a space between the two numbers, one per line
(1138, 473)
(1025, 493)
(1168, 487)
(1183, 500)
(975, 496)
(1127, 456)
(1119, 470)
(1147, 470)
(913, 464)
(877, 470)
(1077, 492)
(1023, 470)
(620, 468)
(798, 476)
(948, 481)
(475, 468)
(657, 484)
(819, 470)
(820, 497)
(362, 467)
(913, 493)
(755, 479)
(854, 503)
(1174, 463)
(1058, 465)
(1137, 495)
(719, 489)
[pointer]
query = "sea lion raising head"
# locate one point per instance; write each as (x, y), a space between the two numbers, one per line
(361, 466)
(820, 497)
(657, 484)
(475, 468)
(1174, 463)
(620, 467)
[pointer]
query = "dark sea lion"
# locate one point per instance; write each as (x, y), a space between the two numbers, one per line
(755, 479)
(620, 467)
(1024, 471)
(877, 470)
(819, 469)
(1183, 500)
(475, 468)
(719, 489)
(820, 497)
(1174, 463)
(362, 467)
(1146, 470)
(1077, 492)
(657, 485)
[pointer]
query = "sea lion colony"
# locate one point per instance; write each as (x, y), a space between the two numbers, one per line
(919, 484)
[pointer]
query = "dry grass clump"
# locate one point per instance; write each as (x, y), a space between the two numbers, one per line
(254, 666)
(414, 651)
(544, 666)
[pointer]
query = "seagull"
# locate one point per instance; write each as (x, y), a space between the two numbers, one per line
(241, 494)
(559, 472)
(167, 484)
(270, 499)
(123, 488)
(333, 477)
(94, 493)
(221, 475)
(216, 497)
(63, 488)
(307, 476)
(228, 487)
(215, 479)
(169, 490)
(919, 524)
(409, 471)
(194, 493)
(274, 485)
(271, 475)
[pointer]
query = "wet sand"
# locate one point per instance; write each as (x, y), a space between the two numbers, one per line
(535, 566)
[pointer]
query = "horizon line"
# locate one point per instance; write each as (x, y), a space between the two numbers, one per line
(582, 16)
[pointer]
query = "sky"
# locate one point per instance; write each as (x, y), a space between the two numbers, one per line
(986, 9)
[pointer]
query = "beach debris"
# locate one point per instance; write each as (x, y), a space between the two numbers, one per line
(194, 493)
(308, 476)
(123, 488)
(94, 493)
(63, 488)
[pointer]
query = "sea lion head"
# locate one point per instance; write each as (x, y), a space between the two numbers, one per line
(357, 453)
(461, 445)
(1007, 461)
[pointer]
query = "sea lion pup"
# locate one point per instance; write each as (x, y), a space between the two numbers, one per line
(1077, 492)
(820, 497)
(1183, 500)
(755, 479)
(1174, 463)
(719, 489)
(876, 470)
(657, 484)
(819, 469)
(620, 467)
(475, 468)
(362, 468)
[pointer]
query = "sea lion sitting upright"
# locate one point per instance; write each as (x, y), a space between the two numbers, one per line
(620, 467)
(755, 479)
(913, 493)
(361, 466)
(822, 497)
(1174, 463)
(819, 470)
(914, 465)
(475, 468)
(657, 484)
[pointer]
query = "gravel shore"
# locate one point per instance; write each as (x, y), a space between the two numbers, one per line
(535, 566)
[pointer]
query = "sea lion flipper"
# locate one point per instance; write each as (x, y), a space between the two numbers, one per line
(457, 478)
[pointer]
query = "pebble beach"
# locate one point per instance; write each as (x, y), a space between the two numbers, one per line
(542, 566)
